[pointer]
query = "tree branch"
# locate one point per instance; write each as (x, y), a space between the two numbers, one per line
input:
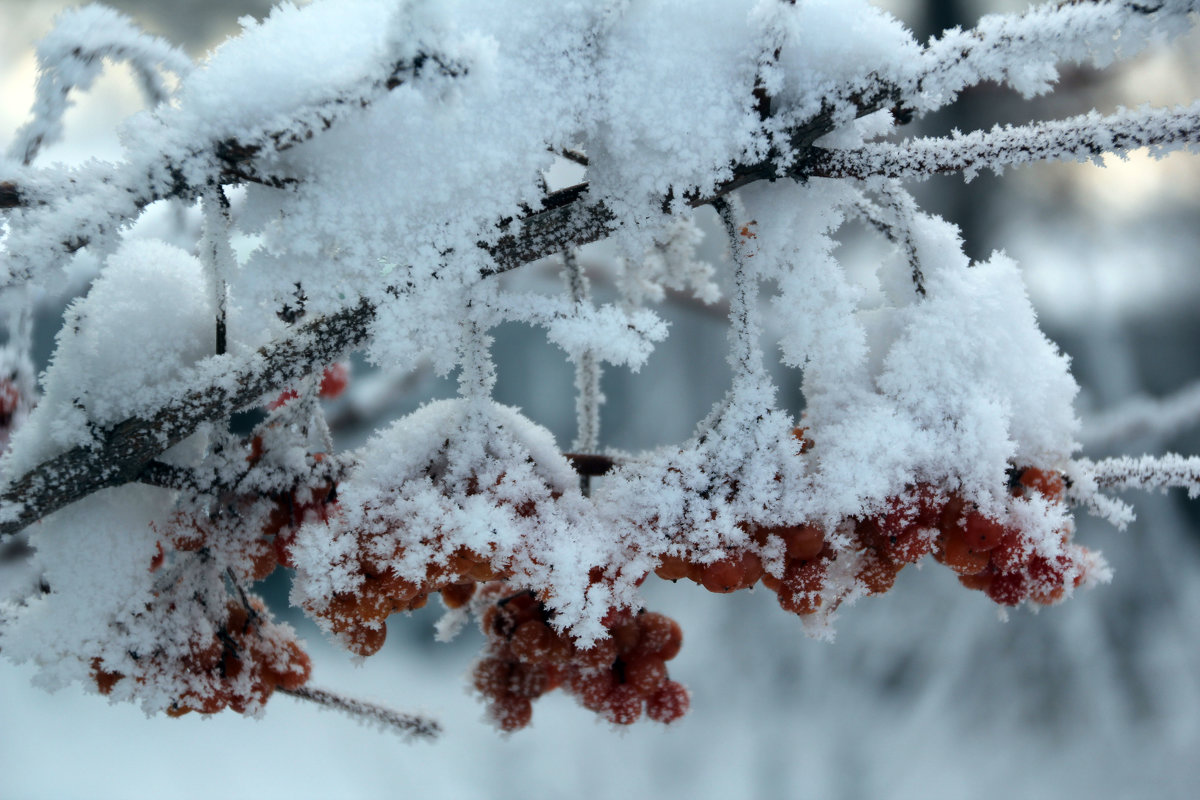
(221, 386)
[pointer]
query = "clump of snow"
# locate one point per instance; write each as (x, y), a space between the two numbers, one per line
(122, 350)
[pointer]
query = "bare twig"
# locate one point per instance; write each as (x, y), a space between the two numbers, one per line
(1143, 416)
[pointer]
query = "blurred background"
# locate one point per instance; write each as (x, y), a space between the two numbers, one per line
(925, 692)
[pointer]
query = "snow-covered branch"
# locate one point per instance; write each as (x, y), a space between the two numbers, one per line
(1087, 137)
(70, 58)
(1148, 473)
(223, 385)
(1021, 50)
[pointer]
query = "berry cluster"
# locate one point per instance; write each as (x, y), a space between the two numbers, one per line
(620, 677)
(358, 618)
(1003, 562)
(988, 555)
(290, 510)
(252, 534)
(237, 665)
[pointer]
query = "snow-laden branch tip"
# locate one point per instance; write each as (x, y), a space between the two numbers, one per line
(70, 57)
(1087, 137)
(1143, 416)
(1021, 50)
(408, 726)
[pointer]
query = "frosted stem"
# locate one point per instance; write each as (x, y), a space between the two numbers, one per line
(477, 377)
(217, 255)
(745, 356)
(409, 726)
(587, 368)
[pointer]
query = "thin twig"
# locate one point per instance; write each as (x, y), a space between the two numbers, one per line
(409, 726)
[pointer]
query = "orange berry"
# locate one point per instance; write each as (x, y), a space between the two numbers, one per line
(457, 595)
(801, 542)
(672, 568)
(878, 572)
(981, 532)
(957, 554)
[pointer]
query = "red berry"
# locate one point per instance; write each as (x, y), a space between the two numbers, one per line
(600, 656)
(801, 542)
(727, 575)
(365, 641)
(1013, 552)
(10, 398)
(957, 554)
(511, 713)
(672, 568)
(982, 533)
(909, 546)
(334, 380)
(800, 591)
(593, 687)
(457, 595)
(878, 572)
(645, 674)
(490, 677)
(669, 703)
(661, 636)
(286, 397)
(528, 680)
(624, 706)
(531, 641)
(1008, 588)
(1047, 483)
(1048, 579)
(978, 582)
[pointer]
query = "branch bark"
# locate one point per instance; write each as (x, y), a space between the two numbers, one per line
(222, 385)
